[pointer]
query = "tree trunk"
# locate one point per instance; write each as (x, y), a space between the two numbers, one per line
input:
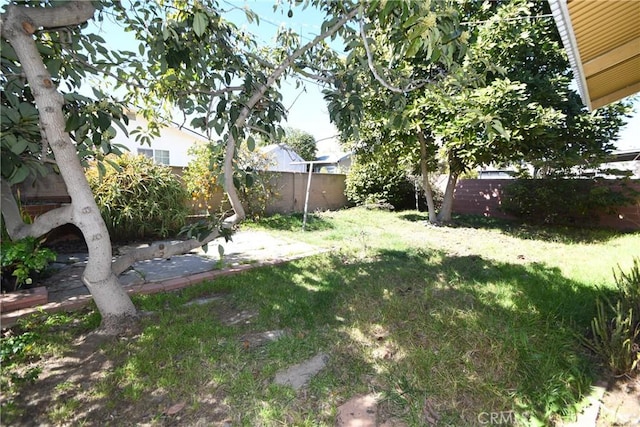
(18, 25)
(426, 185)
(42, 224)
(447, 203)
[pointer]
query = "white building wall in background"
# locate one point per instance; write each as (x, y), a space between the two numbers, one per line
(170, 148)
(282, 158)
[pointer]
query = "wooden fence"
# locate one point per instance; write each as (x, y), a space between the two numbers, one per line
(483, 197)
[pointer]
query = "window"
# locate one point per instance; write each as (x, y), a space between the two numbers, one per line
(159, 156)
(145, 152)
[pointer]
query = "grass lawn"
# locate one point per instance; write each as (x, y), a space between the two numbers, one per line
(444, 322)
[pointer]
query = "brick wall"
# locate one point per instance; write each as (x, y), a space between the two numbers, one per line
(483, 197)
(480, 197)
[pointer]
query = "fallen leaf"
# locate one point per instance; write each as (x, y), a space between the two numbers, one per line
(175, 408)
(430, 415)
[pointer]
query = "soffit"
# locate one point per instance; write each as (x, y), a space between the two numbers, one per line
(602, 39)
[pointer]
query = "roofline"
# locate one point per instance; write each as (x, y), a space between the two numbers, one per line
(560, 13)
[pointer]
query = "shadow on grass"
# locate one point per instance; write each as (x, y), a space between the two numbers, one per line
(515, 331)
(293, 222)
(518, 229)
(476, 334)
(463, 334)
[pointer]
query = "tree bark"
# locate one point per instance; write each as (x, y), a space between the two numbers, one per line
(159, 250)
(426, 185)
(42, 224)
(18, 25)
(447, 204)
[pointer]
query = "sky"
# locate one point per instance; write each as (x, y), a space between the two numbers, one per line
(307, 109)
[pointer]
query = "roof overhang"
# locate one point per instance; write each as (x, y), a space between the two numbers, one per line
(602, 41)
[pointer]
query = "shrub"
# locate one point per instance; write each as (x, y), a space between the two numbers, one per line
(562, 201)
(372, 183)
(138, 198)
(616, 327)
(203, 180)
(22, 260)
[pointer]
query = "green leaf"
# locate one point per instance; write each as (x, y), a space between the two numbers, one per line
(251, 143)
(497, 126)
(102, 170)
(221, 106)
(414, 48)
(6, 165)
(19, 145)
(104, 121)
(12, 114)
(7, 51)
(200, 23)
(74, 121)
(20, 174)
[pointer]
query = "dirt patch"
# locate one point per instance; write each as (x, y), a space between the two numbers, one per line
(621, 403)
(65, 393)
(63, 378)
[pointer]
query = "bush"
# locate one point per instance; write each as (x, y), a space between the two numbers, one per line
(562, 201)
(616, 327)
(22, 260)
(372, 183)
(138, 198)
(203, 179)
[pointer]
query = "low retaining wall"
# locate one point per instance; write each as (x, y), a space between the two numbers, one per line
(483, 197)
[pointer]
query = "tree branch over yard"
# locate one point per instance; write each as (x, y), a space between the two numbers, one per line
(177, 69)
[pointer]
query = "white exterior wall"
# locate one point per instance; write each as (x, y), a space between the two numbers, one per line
(174, 140)
(281, 159)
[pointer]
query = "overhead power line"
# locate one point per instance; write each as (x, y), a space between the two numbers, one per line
(518, 18)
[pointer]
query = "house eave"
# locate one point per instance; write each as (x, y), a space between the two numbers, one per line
(602, 42)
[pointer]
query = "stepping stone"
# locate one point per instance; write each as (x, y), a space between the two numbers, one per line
(360, 411)
(297, 376)
(202, 301)
(260, 338)
(243, 317)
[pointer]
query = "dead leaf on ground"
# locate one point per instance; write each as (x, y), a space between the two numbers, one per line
(430, 415)
(175, 408)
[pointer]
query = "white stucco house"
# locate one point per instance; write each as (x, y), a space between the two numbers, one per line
(334, 162)
(282, 158)
(170, 148)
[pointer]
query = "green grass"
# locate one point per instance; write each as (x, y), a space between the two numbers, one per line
(484, 316)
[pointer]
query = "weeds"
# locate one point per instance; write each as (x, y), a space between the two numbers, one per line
(616, 327)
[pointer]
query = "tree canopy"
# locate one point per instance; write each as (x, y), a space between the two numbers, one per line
(508, 100)
(301, 142)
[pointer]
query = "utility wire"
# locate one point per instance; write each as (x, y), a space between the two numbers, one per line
(518, 18)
